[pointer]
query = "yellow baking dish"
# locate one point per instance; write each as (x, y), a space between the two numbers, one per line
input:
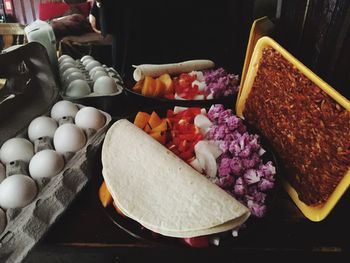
(314, 213)
(261, 27)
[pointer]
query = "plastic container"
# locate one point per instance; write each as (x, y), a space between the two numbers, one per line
(42, 32)
(314, 213)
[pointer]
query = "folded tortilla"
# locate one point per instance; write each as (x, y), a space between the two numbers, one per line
(154, 187)
(154, 70)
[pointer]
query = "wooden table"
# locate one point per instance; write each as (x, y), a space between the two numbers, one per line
(85, 234)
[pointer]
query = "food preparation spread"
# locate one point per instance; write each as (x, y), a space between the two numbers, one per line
(216, 144)
(198, 82)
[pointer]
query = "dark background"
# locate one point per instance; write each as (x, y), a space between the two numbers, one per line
(317, 32)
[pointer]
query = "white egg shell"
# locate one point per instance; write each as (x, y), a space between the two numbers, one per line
(3, 221)
(86, 57)
(67, 72)
(46, 164)
(69, 138)
(17, 191)
(63, 108)
(65, 58)
(74, 76)
(89, 118)
(105, 85)
(78, 88)
(98, 74)
(41, 127)
(92, 64)
(66, 65)
(87, 61)
(2, 172)
(16, 149)
(93, 70)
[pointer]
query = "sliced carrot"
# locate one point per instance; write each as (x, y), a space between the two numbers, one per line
(149, 86)
(169, 85)
(138, 86)
(154, 120)
(104, 195)
(160, 89)
(159, 136)
(147, 128)
(141, 119)
(163, 126)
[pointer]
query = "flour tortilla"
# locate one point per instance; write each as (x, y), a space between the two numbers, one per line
(154, 187)
(154, 70)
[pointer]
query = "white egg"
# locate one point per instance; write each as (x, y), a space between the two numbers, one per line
(65, 58)
(89, 118)
(3, 221)
(67, 72)
(63, 108)
(93, 70)
(46, 164)
(105, 85)
(16, 149)
(74, 76)
(92, 64)
(66, 65)
(98, 74)
(17, 191)
(2, 172)
(69, 138)
(78, 88)
(86, 57)
(87, 61)
(41, 127)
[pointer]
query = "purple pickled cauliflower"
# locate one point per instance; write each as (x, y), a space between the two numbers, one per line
(220, 83)
(241, 171)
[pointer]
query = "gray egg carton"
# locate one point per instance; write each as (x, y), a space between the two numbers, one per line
(26, 226)
(30, 90)
(110, 72)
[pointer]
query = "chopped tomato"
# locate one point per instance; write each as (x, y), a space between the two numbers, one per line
(184, 134)
(201, 241)
(184, 88)
(186, 155)
(169, 96)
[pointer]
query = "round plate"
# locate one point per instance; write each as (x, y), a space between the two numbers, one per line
(136, 230)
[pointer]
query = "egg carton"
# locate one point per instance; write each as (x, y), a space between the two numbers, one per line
(26, 226)
(78, 64)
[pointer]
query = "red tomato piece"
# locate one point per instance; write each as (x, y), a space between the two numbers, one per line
(201, 241)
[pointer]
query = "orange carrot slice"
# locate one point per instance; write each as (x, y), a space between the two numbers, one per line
(154, 120)
(104, 195)
(141, 119)
(159, 136)
(149, 86)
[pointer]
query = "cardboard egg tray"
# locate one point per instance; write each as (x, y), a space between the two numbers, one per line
(26, 226)
(110, 72)
(29, 90)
